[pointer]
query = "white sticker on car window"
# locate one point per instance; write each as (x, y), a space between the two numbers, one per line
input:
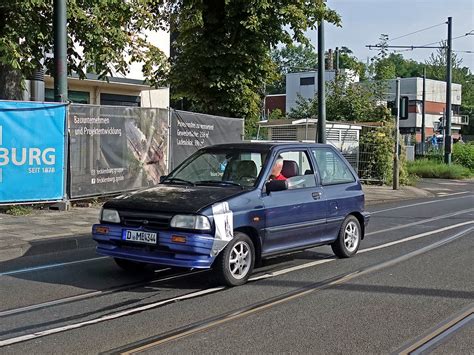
(224, 222)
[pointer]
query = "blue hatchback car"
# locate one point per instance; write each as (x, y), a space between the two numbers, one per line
(229, 206)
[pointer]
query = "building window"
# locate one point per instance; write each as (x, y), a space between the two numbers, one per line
(309, 80)
(119, 100)
(77, 97)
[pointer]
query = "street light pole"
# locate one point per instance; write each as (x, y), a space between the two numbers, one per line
(423, 115)
(60, 51)
(396, 183)
(448, 139)
(321, 128)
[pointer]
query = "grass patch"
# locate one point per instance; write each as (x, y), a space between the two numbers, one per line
(425, 168)
(19, 210)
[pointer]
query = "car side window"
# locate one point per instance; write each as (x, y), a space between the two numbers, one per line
(332, 169)
(296, 169)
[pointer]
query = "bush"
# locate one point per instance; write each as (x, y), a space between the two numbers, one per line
(463, 154)
(377, 154)
(19, 210)
(425, 168)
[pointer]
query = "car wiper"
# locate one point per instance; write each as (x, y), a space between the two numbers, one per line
(173, 179)
(218, 182)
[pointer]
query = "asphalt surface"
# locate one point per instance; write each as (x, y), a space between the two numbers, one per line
(413, 273)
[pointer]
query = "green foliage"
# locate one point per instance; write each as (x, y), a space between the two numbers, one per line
(305, 108)
(221, 59)
(19, 210)
(436, 69)
(346, 101)
(463, 154)
(382, 67)
(403, 175)
(104, 36)
(288, 59)
(376, 147)
(425, 168)
(405, 68)
(349, 61)
(276, 114)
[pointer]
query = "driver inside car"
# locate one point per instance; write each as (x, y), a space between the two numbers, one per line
(276, 170)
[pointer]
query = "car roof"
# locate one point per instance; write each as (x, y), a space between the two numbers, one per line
(266, 145)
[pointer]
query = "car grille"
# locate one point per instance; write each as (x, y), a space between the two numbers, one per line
(145, 220)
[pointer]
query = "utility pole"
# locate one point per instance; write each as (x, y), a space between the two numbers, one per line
(448, 139)
(396, 183)
(337, 62)
(321, 128)
(423, 114)
(60, 51)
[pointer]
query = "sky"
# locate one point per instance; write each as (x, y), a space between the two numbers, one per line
(364, 20)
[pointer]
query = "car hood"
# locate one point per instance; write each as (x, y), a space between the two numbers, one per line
(172, 198)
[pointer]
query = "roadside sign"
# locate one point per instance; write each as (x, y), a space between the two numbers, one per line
(31, 151)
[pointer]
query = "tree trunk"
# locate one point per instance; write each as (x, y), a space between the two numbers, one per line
(10, 84)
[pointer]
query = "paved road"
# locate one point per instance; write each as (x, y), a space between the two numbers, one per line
(411, 284)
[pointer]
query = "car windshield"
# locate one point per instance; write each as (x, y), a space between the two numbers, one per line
(223, 167)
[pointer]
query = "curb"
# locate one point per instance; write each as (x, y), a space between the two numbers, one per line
(48, 246)
(82, 240)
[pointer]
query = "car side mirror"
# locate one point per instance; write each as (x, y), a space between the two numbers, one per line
(162, 178)
(276, 185)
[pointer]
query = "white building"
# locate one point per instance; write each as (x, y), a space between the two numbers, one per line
(305, 84)
(119, 90)
(435, 105)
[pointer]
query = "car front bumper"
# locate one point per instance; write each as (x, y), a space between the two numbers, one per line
(194, 253)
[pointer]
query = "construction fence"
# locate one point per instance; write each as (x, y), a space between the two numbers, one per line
(50, 152)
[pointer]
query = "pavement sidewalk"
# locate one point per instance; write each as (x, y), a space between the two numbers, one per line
(45, 231)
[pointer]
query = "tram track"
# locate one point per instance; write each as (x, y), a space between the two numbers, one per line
(258, 276)
(193, 328)
(153, 343)
(439, 333)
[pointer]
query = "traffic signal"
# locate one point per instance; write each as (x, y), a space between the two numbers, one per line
(403, 107)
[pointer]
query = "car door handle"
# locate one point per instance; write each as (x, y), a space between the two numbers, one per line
(316, 195)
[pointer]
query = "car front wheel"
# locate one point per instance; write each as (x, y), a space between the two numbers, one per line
(348, 241)
(235, 263)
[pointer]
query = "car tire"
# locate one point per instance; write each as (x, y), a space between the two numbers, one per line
(235, 263)
(348, 240)
(129, 265)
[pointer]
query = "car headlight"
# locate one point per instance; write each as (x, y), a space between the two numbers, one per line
(190, 222)
(109, 216)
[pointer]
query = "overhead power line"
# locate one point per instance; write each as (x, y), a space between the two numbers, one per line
(410, 48)
(415, 32)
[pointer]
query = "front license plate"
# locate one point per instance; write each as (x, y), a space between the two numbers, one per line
(140, 237)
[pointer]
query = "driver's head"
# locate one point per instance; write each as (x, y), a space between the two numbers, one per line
(276, 170)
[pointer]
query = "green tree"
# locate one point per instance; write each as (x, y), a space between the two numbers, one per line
(104, 37)
(436, 69)
(405, 68)
(346, 101)
(382, 68)
(305, 108)
(348, 61)
(222, 59)
(288, 59)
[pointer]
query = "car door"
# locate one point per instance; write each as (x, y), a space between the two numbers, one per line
(294, 217)
(340, 186)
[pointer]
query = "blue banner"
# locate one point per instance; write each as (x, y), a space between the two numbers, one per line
(32, 140)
